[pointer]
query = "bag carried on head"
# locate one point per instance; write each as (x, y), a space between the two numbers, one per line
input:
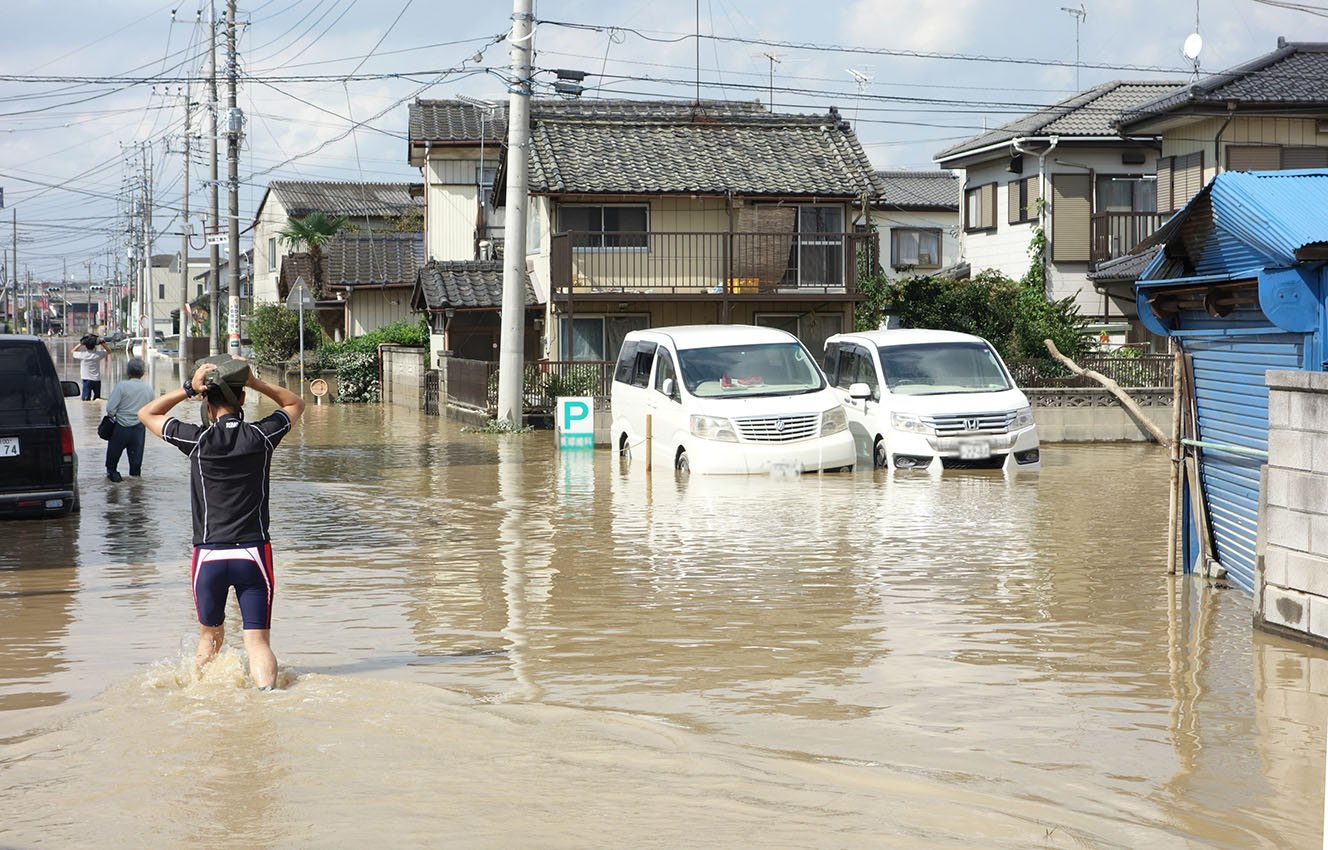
(230, 376)
(106, 427)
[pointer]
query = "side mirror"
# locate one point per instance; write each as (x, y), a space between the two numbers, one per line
(859, 391)
(70, 389)
(669, 388)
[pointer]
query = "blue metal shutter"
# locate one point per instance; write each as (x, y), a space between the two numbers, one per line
(1233, 409)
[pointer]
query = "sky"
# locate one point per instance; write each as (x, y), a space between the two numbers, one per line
(90, 90)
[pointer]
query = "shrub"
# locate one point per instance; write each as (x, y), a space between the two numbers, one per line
(275, 331)
(356, 360)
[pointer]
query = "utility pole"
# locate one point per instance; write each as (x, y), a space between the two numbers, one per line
(148, 296)
(511, 346)
(14, 295)
(184, 244)
(214, 250)
(234, 126)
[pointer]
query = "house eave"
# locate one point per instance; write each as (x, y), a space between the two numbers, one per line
(963, 159)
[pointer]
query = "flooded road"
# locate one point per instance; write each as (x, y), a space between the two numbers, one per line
(485, 643)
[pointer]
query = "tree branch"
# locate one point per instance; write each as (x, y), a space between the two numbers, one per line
(1114, 388)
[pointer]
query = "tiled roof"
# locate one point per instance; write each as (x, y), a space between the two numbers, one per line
(455, 121)
(1089, 113)
(919, 190)
(374, 259)
(1295, 74)
(1126, 268)
(628, 147)
(302, 197)
(463, 284)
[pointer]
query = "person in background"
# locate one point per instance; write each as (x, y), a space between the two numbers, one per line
(126, 399)
(229, 460)
(89, 367)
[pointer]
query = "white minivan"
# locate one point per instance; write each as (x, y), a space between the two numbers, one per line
(924, 398)
(727, 399)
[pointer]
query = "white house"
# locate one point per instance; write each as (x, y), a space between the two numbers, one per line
(1100, 189)
(917, 217)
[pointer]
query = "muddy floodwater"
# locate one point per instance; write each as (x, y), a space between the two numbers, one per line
(487, 644)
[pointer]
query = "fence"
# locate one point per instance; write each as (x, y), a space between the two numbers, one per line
(1146, 370)
(474, 383)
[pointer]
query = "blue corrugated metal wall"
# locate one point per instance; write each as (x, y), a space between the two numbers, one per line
(1232, 400)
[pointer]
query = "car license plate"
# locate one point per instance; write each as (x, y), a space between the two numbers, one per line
(974, 450)
(8, 446)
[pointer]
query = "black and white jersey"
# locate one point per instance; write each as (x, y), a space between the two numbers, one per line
(228, 475)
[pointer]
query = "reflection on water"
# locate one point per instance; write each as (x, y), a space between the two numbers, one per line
(488, 641)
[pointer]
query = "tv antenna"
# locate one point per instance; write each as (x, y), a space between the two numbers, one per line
(864, 77)
(774, 59)
(1079, 15)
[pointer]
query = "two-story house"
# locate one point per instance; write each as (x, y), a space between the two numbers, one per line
(917, 218)
(651, 213)
(1099, 187)
(1268, 114)
(369, 208)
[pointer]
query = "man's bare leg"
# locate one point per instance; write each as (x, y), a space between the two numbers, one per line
(262, 663)
(209, 642)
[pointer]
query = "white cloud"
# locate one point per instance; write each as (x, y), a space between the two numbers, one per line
(939, 25)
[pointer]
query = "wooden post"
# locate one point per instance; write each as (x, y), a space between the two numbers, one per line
(1174, 502)
(650, 442)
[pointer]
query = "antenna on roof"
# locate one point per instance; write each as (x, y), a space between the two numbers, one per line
(1079, 15)
(774, 59)
(864, 77)
(1193, 43)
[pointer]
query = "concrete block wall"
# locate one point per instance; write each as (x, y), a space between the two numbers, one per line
(1092, 414)
(402, 371)
(1292, 592)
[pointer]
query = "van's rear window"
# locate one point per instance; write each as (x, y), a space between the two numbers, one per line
(27, 379)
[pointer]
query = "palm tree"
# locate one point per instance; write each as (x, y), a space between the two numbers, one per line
(312, 232)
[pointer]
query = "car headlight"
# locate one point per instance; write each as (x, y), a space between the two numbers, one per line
(833, 421)
(1023, 417)
(909, 423)
(714, 428)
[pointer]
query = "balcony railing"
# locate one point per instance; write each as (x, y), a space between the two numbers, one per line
(765, 265)
(1115, 234)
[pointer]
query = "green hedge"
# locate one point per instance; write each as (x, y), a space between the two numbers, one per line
(356, 360)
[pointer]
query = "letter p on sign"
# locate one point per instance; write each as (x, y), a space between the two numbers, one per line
(575, 422)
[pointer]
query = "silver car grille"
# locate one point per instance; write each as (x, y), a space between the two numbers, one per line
(970, 423)
(778, 429)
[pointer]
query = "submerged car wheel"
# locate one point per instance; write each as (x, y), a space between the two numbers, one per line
(624, 448)
(681, 463)
(880, 457)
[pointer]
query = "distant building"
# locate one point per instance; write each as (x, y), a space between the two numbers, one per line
(916, 215)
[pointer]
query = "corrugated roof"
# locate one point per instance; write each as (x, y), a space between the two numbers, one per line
(920, 190)
(1243, 222)
(463, 284)
(629, 147)
(1089, 113)
(302, 197)
(1294, 75)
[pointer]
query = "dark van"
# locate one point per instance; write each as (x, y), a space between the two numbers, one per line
(38, 467)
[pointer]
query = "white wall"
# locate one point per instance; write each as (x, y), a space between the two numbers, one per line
(453, 200)
(266, 266)
(886, 220)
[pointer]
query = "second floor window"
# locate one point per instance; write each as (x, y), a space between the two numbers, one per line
(606, 226)
(980, 207)
(915, 246)
(1125, 193)
(272, 254)
(1023, 198)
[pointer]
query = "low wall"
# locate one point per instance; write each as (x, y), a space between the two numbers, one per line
(1291, 589)
(1092, 415)
(402, 375)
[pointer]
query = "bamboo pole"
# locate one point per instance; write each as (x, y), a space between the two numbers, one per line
(1114, 388)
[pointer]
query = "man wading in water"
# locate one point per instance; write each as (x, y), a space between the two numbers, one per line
(228, 479)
